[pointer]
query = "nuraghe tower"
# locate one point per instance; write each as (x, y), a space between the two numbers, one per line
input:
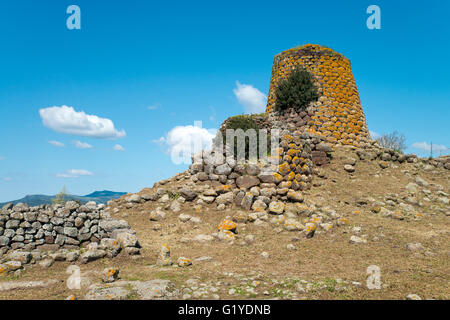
(337, 115)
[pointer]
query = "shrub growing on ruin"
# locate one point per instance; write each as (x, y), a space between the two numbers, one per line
(245, 122)
(297, 91)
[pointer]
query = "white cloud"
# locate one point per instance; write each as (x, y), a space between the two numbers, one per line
(183, 141)
(154, 107)
(74, 173)
(7, 179)
(159, 141)
(81, 145)
(56, 143)
(65, 119)
(118, 147)
(253, 100)
(426, 147)
(2, 158)
(374, 135)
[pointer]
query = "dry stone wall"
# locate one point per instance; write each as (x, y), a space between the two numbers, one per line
(72, 226)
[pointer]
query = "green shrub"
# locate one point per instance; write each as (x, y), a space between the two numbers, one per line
(297, 91)
(245, 122)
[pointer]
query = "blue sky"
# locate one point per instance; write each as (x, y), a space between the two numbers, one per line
(151, 66)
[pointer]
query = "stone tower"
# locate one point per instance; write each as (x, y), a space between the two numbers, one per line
(337, 115)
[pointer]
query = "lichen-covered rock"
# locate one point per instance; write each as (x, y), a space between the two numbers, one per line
(293, 225)
(112, 246)
(225, 198)
(157, 215)
(227, 225)
(383, 164)
(310, 229)
(184, 262)
(164, 258)
(127, 239)
(3, 270)
(247, 201)
(276, 207)
(23, 257)
(110, 274)
(13, 265)
(240, 217)
(259, 205)
(295, 196)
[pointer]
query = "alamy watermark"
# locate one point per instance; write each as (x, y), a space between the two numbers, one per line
(74, 20)
(374, 20)
(237, 146)
(74, 280)
(374, 277)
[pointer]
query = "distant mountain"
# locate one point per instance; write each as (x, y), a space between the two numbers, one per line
(97, 196)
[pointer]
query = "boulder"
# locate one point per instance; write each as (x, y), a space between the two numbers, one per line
(127, 239)
(246, 182)
(110, 275)
(157, 215)
(188, 194)
(276, 207)
(225, 198)
(134, 198)
(92, 255)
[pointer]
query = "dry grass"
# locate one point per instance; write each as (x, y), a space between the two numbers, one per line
(326, 256)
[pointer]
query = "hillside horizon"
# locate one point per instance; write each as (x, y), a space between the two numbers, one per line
(98, 196)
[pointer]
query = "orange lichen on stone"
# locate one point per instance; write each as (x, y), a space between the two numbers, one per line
(227, 225)
(277, 177)
(223, 188)
(284, 168)
(290, 176)
(3, 270)
(342, 221)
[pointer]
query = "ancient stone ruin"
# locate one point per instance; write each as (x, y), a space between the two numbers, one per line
(306, 138)
(338, 115)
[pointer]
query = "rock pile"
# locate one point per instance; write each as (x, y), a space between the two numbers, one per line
(385, 155)
(254, 185)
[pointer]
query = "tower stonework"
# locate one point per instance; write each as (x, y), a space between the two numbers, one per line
(337, 115)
